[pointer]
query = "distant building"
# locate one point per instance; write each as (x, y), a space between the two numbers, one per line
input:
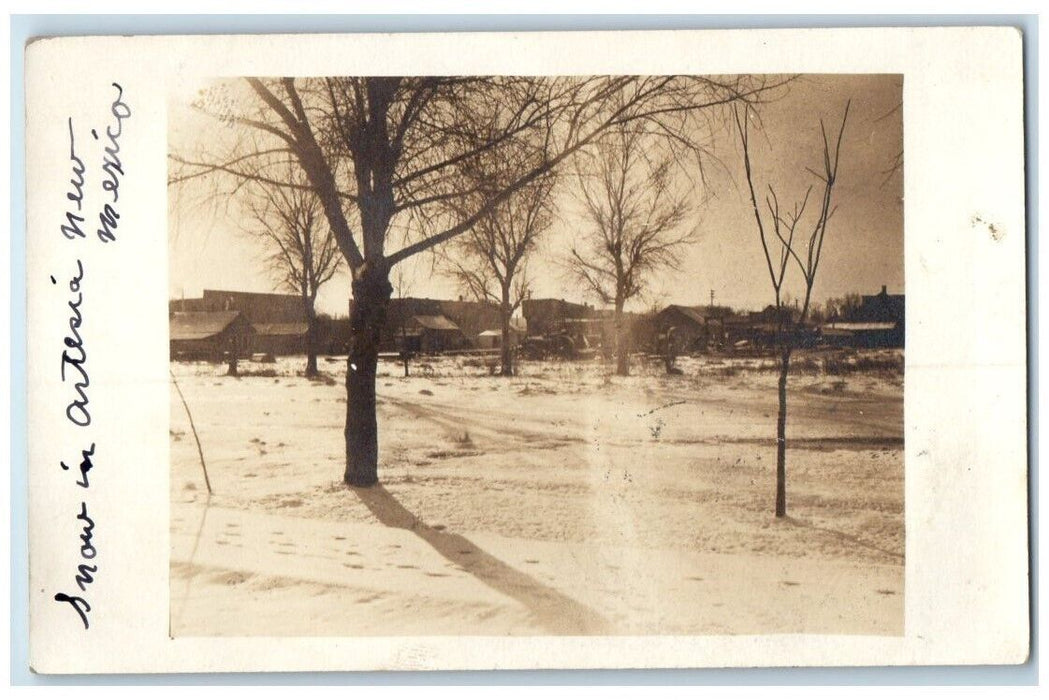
(490, 340)
(278, 320)
(761, 329)
(333, 335)
(435, 325)
(582, 327)
(550, 316)
(434, 334)
(878, 322)
(280, 338)
(692, 328)
(472, 317)
(209, 335)
(259, 307)
(493, 337)
(869, 334)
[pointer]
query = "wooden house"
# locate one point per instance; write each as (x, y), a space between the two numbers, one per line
(209, 335)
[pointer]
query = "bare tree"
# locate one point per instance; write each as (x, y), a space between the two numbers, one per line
(380, 149)
(782, 246)
(490, 261)
(634, 219)
(303, 253)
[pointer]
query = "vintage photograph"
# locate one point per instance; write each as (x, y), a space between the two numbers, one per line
(537, 355)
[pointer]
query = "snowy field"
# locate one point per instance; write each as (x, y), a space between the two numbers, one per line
(560, 501)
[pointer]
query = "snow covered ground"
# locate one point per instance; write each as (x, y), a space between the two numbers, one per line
(560, 501)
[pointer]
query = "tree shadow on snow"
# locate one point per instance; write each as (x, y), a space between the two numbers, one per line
(556, 612)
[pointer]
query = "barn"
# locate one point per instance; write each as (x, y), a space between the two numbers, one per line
(688, 325)
(209, 335)
(280, 338)
(435, 334)
(279, 319)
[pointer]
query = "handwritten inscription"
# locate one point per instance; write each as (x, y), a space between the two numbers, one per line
(112, 166)
(74, 357)
(71, 228)
(85, 466)
(85, 572)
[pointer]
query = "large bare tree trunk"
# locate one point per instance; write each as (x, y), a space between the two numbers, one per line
(234, 350)
(781, 437)
(311, 340)
(405, 353)
(506, 359)
(622, 343)
(371, 296)
(670, 352)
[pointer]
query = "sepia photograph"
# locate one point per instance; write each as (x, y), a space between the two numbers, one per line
(536, 355)
(513, 350)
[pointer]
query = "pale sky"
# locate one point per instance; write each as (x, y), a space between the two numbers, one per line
(863, 249)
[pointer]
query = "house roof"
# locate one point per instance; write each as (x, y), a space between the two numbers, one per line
(555, 307)
(281, 328)
(688, 312)
(890, 298)
(469, 317)
(436, 323)
(198, 325)
(853, 327)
